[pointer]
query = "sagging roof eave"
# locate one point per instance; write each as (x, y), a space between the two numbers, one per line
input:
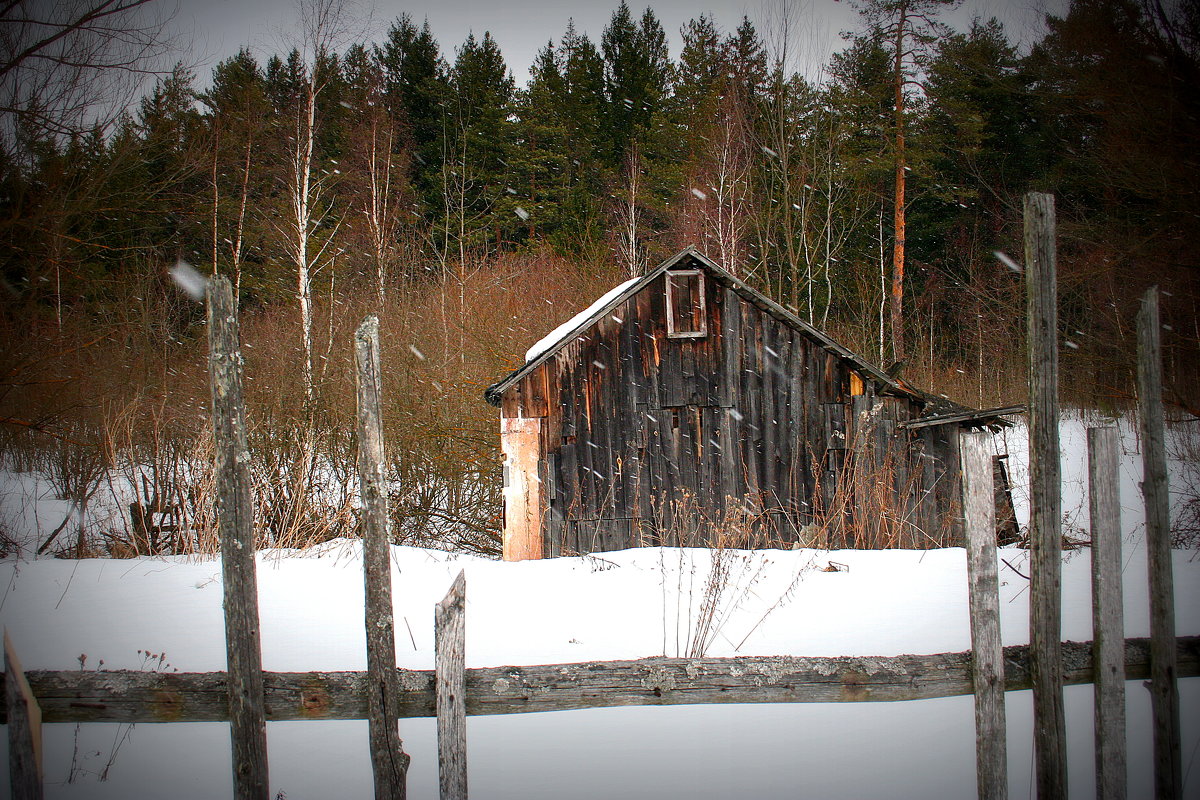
(968, 416)
(494, 393)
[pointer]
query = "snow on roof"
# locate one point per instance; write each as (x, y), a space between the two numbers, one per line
(552, 339)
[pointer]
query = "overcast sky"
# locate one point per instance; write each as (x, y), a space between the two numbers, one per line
(218, 28)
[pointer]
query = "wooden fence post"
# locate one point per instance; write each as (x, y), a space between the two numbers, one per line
(1108, 628)
(388, 759)
(1164, 690)
(450, 678)
(1045, 516)
(987, 651)
(24, 729)
(235, 521)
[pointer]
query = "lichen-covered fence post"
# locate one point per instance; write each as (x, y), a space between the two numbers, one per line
(450, 676)
(24, 730)
(1045, 514)
(987, 651)
(388, 759)
(1164, 688)
(235, 522)
(1108, 627)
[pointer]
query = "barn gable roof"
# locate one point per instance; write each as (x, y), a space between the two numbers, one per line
(544, 350)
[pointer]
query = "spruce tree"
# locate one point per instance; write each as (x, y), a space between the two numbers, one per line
(416, 88)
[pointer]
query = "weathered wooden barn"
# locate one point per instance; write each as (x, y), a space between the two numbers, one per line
(684, 399)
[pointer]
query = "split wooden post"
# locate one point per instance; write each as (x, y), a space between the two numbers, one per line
(987, 650)
(389, 762)
(450, 679)
(24, 729)
(1108, 627)
(235, 521)
(1164, 689)
(1045, 517)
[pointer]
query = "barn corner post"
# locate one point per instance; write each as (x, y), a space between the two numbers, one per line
(1108, 627)
(1164, 688)
(1045, 518)
(450, 680)
(389, 762)
(522, 443)
(235, 522)
(987, 650)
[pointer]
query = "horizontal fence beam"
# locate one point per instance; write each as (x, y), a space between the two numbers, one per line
(133, 696)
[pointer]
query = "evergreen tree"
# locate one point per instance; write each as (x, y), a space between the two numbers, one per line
(907, 28)
(478, 209)
(541, 160)
(637, 76)
(376, 190)
(416, 87)
(169, 128)
(237, 109)
(561, 115)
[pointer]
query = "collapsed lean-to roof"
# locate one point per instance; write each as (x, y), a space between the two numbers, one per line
(937, 410)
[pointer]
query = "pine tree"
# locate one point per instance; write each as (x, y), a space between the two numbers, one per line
(908, 28)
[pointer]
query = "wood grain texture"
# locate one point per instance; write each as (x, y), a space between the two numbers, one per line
(24, 730)
(1164, 689)
(134, 696)
(987, 651)
(521, 441)
(1045, 515)
(235, 522)
(389, 763)
(450, 678)
(1108, 626)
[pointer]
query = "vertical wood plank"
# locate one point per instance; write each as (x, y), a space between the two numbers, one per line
(389, 763)
(987, 651)
(24, 730)
(235, 522)
(1045, 519)
(1108, 628)
(450, 677)
(522, 443)
(1164, 689)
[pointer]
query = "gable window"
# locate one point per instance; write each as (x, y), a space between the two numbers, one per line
(685, 305)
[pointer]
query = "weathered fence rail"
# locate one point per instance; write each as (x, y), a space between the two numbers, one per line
(132, 696)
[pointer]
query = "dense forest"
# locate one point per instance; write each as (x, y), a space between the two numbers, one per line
(880, 199)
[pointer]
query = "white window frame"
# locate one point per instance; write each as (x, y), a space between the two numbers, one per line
(701, 314)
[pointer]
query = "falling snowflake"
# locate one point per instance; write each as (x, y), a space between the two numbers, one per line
(189, 280)
(1008, 262)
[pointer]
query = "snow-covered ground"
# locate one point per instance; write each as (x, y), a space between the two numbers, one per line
(615, 605)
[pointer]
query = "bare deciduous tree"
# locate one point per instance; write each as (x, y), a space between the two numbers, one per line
(74, 65)
(322, 26)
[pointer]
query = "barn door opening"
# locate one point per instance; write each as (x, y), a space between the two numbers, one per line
(521, 440)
